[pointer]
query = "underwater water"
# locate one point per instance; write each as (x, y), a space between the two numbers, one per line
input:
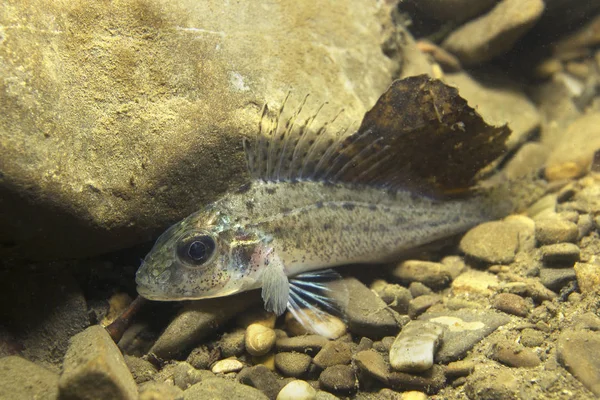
(300, 200)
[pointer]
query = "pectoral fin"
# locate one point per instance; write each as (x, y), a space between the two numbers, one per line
(275, 285)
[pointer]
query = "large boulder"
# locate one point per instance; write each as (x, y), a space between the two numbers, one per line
(119, 118)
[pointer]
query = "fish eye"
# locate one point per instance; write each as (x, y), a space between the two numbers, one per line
(196, 250)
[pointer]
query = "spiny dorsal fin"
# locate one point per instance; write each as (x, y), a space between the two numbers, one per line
(419, 135)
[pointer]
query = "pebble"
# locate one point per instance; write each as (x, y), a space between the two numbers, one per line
(366, 314)
(184, 375)
(232, 344)
(94, 364)
(414, 347)
(511, 304)
(588, 320)
(494, 33)
(259, 339)
(555, 230)
(159, 390)
(141, 369)
(226, 366)
(430, 381)
(532, 337)
(492, 383)
(333, 353)
(292, 364)
(326, 325)
(560, 253)
(456, 10)
(418, 289)
(420, 304)
(22, 379)
(261, 378)
(578, 352)
(202, 357)
(297, 390)
(432, 274)
(257, 315)
(413, 395)
(373, 364)
(585, 224)
(556, 278)
(514, 355)
(463, 329)
(475, 282)
(338, 379)
(197, 320)
(588, 276)
(308, 344)
(222, 389)
(495, 242)
(395, 296)
(459, 368)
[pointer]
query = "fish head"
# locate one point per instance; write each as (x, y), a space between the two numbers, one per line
(203, 256)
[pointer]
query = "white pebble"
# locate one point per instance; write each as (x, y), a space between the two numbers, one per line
(297, 390)
(414, 347)
(226, 366)
(259, 339)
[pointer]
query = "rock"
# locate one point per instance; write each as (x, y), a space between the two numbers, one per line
(494, 33)
(506, 103)
(372, 363)
(588, 320)
(560, 253)
(578, 352)
(42, 311)
(297, 390)
(532, 337)
(327, 325)
(455, 10)
(475, 282)
(432, 274)
(463, 329)
(226, 366)
(530, 157)
(492, 383)
(514, 355)
(259, 339)
(493, 242)
(430, 381)
(555, 230)
(184, 375)
(257, 315)
(94, 364)
(526, 227)
(309, 344)
(140, 369)
(366, 314)
(333, 353)
(556, 278)
(323, 395)
(419, 305)
(418, 289)
(588, 276)
(261, 378)
(292, 364)
(395, 296)
(459, 368)
(412, 395)
(573, 154)
(414, 347)
(338, 379)
(511, 304)
(232, 344)
(159, 390)
(197, 320)
(74, 173)
(23, 380)
(202, 357)
(222, 389)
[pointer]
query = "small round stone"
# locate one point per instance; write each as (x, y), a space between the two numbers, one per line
(555, 230)
(560, 253)
(495, 242)
(292, 364)
(226, 366)
(511, 304)
(338, 378)
(297, 390)
(259, 339)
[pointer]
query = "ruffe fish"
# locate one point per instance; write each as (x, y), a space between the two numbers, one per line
(317, 201)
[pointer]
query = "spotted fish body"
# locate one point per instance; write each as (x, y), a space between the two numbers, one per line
(315, 203)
